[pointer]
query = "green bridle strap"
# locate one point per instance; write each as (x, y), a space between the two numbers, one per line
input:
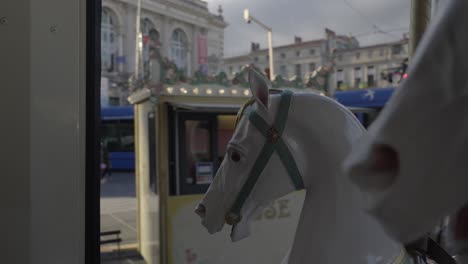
(274, 142)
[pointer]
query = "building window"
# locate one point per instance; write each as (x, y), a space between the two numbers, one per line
(298, 70)
(396, 49)
(256, 59)
(370, 76)
(338, 85)
(312, 51)
(267, 57)
(109, 44)
(358, 55)
(382, 52)
(150, 45)
(357, 83)
(339, 75)
(369, 54)
(179, 49)
(283, 71)
(230, 69)
(283, 56)
(298, 53)
(339, 78)
(311, 67)
(357, 77)
(340, 57)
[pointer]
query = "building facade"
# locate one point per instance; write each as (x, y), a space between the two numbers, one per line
(370, 66)
(298, 59)
(351, 66)
(183, 31)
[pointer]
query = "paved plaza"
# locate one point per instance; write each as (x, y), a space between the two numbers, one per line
(119, 212)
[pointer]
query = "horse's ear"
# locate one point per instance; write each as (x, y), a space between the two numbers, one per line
(259, 87)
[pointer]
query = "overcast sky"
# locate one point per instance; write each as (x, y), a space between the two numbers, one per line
(308, 18)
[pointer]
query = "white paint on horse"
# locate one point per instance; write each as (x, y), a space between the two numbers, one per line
(319, 132)
(426, 125)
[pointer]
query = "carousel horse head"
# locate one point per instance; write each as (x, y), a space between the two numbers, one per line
(248, 178)
(285, 142)
(412, 165)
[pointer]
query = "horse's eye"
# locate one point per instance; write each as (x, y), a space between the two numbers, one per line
(235, 156)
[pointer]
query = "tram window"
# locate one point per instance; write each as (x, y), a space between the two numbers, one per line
(118, 136)
(127, 138)
(110, 136)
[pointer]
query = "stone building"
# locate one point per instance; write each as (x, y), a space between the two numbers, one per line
(369, 66)
(184, 31)
(299, 58)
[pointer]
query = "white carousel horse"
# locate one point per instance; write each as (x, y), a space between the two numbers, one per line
(302, 150)
(412, 165)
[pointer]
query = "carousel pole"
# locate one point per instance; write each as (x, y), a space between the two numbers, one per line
(420, 17)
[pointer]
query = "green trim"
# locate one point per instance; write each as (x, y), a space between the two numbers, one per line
(274, 142)
(260, 164)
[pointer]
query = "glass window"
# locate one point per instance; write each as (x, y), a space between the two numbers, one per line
(396, 49)
(339, 75)
(298, 53)
(357, 77)
(312, 51)
(283, 55)
(198, 152)
(298, 70)
(179, 49)
(283, 71)
(311, 67)
(150, 45)
(110, 136)
(358, 55)
(118, 136)
(109, 46)
(357, 82)
(127, 139)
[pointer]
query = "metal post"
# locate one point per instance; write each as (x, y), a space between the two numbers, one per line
(249, 18)
(138, 40)
(420, 17)
(270, 52)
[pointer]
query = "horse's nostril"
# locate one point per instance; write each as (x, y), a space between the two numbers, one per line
(200, 210)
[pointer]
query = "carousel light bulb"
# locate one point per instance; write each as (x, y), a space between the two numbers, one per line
(209, 91)
(234, 91)
(221, 91)
(322, 94)
(183, 90)
(170, 90)
(195, 91)
(246, 92)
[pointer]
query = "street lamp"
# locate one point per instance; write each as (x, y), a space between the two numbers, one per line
(248, 18)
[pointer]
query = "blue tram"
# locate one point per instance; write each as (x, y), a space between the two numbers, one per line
(117, 134)
(368, 102)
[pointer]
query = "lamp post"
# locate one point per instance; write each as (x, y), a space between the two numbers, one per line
(248, 18)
